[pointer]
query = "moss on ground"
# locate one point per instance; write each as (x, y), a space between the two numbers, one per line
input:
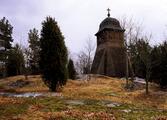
(95, 96)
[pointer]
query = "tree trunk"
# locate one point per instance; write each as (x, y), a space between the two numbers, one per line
(127, 69)
(131, 69)
(147, 92)
(147, 80)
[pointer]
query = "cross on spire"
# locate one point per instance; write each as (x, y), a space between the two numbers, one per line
(108, 12)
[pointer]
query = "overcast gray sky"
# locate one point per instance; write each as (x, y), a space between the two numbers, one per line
(80, 19)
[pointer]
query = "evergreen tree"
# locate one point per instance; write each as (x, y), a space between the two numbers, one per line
(137, 64)
(71, 70)
(6, 30)
(141, 59)
(156, 64)
(5, 43)
(163, 66)
(144, 51)
(15, 62)
(33, 39)
(150, 63)
(53, 55)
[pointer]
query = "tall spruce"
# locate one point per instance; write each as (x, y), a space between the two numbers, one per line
(71, 70)
(163, 66)
(53, 55)
(15, 62)
(142, 60)
(5, 44)
(34, 46)
(156, 64)
(6, 30)
(159, 65)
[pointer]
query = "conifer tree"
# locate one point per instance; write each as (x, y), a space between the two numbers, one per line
(71, 70)
(6, 29)
(15, 62)
(53, 55)
(34, 46)
(156, 64)
(5, 43)
(144, 51)
(163, 66)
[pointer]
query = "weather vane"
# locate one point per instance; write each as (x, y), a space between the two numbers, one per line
(108, 12)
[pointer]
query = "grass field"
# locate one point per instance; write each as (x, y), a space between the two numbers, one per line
(101, 98)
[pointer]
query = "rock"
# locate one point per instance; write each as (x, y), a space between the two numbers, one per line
(104, 102)
(19, 83)
(126, 111)
(113, 105)
(110, 103)
(75, 102)
(112, 94)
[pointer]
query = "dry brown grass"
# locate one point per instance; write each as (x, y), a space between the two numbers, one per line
(100, 88)
(36, 84)
(112, 89)
(59, 115)
(8, 100)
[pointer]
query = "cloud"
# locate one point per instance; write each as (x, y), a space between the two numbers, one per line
(80, 19)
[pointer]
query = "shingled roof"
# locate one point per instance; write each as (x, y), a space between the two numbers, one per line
(110, 24)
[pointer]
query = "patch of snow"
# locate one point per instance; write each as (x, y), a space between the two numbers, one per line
(28, 94)
(20, 94)
(2, 48)
(82, 77)
(140, 80)
(136, 79)
(1, 32)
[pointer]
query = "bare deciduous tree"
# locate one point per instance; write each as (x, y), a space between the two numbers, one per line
(131, 35)
(81, 63)
(27, 66)
(145, 55)
(85, 58)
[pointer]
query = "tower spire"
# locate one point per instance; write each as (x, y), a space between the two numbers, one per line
(108, 12)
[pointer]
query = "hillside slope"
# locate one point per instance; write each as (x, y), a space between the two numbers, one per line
(100, 98)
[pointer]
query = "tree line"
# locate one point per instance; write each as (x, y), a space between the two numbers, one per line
(145, 60)
(47, 55)
(149, 62)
